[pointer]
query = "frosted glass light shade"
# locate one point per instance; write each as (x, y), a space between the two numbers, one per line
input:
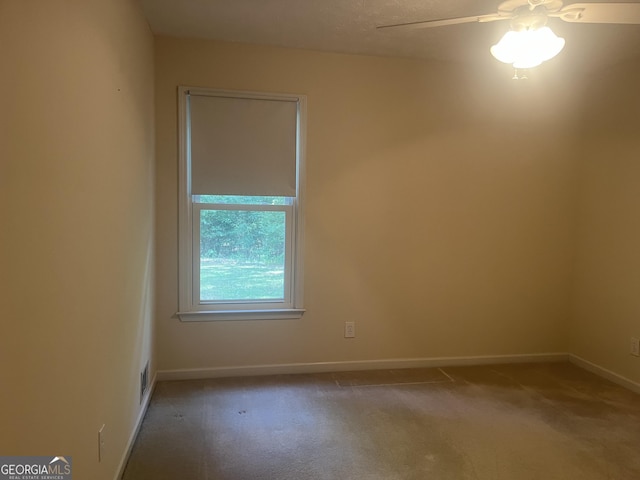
(527, 48)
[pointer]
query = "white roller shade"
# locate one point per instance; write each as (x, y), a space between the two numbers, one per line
(242, 146)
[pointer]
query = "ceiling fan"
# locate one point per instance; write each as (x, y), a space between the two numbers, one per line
(530, 42)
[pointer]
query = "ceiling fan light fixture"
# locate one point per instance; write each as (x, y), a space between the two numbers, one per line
(527, 48)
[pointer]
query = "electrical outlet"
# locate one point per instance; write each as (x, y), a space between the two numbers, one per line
(634, 347)
(101, 443)
(349, 329)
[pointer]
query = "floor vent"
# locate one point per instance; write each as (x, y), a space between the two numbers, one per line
(144, 381)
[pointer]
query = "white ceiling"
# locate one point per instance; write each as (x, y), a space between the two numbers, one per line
(348, 26)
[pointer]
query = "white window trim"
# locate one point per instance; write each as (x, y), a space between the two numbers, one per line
(188, 309)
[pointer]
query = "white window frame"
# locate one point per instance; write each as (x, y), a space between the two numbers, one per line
(190, 308)
(288, 210)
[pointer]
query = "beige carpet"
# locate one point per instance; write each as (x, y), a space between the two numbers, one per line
(502, 422)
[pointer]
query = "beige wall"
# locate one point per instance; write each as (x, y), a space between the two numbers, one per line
(440, 206)
(606, 309)
(76, 204)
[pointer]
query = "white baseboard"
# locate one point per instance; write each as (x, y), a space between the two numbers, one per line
(277, 369)
(604, 373)
(136, 428)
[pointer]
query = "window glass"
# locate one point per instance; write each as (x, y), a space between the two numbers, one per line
(242, 200)
(242, 255)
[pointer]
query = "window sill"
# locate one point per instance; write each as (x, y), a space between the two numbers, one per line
(222, 315)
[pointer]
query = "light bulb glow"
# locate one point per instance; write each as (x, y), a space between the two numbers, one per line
(527, 48)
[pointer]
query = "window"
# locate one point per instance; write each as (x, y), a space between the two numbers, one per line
(240, 206)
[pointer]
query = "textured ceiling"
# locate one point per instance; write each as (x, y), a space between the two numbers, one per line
(348, 26)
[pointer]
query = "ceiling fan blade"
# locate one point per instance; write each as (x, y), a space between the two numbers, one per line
(600, 13)
(444, 22)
